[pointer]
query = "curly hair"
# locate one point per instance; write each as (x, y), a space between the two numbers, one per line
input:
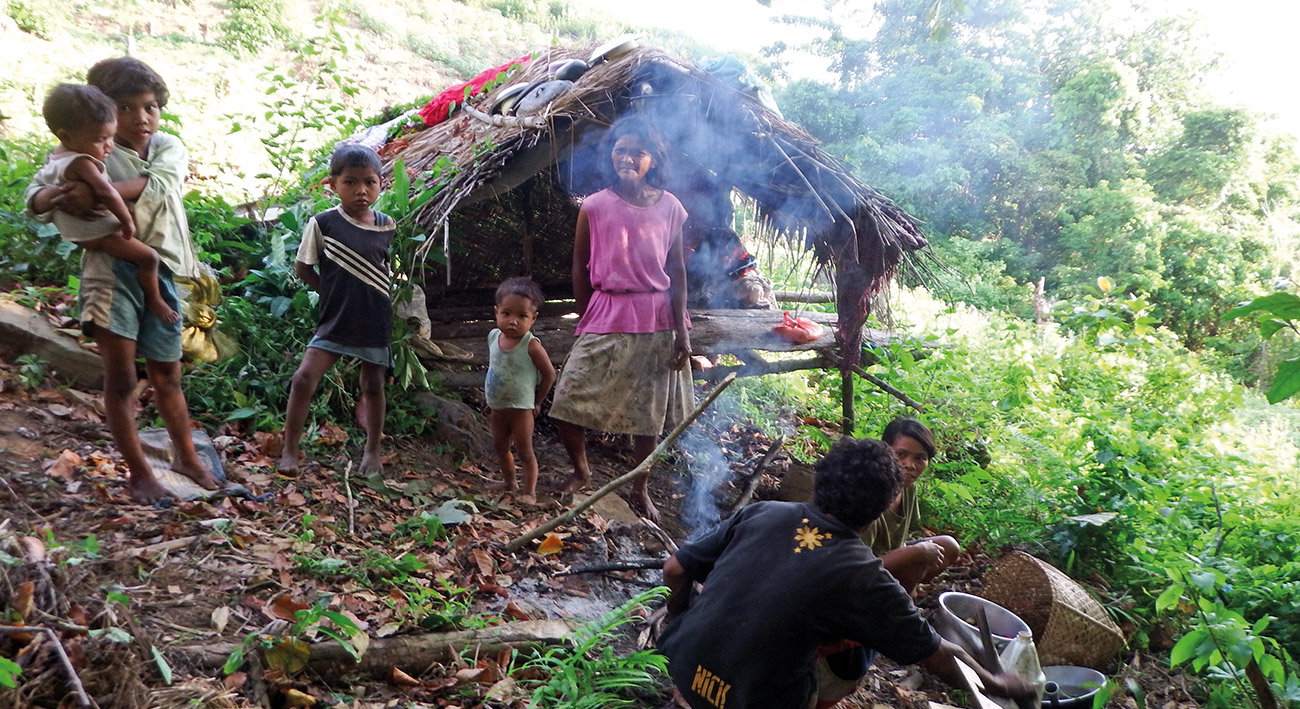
(911, 428)
(522, 287)
(650, 137)
(72, 107)
(354, 155)
(856, 480)
(127, 76)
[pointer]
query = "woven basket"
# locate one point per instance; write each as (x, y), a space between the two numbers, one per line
(1069, 626)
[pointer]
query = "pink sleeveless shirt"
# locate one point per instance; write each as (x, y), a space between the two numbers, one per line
(629, 249)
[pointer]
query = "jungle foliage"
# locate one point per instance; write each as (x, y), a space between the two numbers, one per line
(1065, 140)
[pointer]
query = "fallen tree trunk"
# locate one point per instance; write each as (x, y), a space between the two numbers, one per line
(410, 653)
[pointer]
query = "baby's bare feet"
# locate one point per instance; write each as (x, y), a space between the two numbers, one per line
(161, 309)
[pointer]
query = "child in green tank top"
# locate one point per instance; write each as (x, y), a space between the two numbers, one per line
(519, 376)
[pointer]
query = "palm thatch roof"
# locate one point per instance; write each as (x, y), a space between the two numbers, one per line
(509, 188)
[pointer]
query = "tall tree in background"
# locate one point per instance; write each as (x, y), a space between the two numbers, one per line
(1061, 139)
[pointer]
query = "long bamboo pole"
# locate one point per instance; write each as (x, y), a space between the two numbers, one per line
(519, 541)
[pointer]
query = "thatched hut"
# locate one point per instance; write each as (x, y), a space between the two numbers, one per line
(509, 189)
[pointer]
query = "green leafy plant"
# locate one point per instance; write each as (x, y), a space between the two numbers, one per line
(253, 25)
(9, 672)
(585, 671)
(31, 371)
(291, 645)
(1273, 314)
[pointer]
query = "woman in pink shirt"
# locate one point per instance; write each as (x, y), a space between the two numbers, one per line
(627, 372)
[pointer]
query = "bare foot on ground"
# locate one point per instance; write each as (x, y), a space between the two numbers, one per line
(526, 499)
(641, 504)
(501, 486)
(288, 464)
(146, 489)
(161, 309)
(372, 463)
(575, 482)
(199, 474)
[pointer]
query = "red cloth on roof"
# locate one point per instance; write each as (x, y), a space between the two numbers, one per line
(437, 110)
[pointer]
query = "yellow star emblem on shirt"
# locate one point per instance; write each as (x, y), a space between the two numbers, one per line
(808, 537)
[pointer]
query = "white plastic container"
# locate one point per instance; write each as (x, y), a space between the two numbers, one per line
(1021, 658)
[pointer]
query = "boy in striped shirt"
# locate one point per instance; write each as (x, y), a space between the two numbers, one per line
(344, 256)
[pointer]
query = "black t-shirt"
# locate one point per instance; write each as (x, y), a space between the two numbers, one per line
(356, 307)
(781, 579)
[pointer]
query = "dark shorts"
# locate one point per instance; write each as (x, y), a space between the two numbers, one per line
(374, 355)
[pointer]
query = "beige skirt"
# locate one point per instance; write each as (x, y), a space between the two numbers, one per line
(623, 383)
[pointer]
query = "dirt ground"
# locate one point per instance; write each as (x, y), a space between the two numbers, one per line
(150, 601)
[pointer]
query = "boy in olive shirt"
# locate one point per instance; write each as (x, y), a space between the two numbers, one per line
(148, 169)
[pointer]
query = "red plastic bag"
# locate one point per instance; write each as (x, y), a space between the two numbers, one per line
(797, 330)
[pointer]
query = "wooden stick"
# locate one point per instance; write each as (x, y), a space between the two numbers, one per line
(347, 488)
(512, 121)
(73, 679)
(752, 483)
(169, 545)
(794, 296)
(625, 565)
(626, 478)
(884, 386)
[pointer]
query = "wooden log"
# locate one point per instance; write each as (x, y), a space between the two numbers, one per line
(715, 374)
(794, 296)
(713, 332)
(410, 653)
(644, 467)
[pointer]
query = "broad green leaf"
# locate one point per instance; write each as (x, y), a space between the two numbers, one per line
(1186, 646)
(1286, 381)
(164, 669)
(1283, 305)
(1169, 598)
(234, 662)
(1204, 581)
(9, 671)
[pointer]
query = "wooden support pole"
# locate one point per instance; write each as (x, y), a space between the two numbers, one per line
(885, 386)
(846, 402)
(518, 542)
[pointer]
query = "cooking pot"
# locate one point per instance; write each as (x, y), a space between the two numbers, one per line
(956, 607)
(570, 70)
(505, 103)
(1070, 687)
(540, 95)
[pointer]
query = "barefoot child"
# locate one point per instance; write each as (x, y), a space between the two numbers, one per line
(349, 244)
(85, 120)
(519, 376)
(148, 170)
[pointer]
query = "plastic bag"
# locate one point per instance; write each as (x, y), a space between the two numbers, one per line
(798, 330)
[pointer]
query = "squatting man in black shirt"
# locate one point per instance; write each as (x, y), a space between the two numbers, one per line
(794, 605)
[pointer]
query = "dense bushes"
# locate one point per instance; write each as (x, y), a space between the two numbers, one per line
(1098, 412)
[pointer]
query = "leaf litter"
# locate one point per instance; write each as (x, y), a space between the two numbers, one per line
(127, 586)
